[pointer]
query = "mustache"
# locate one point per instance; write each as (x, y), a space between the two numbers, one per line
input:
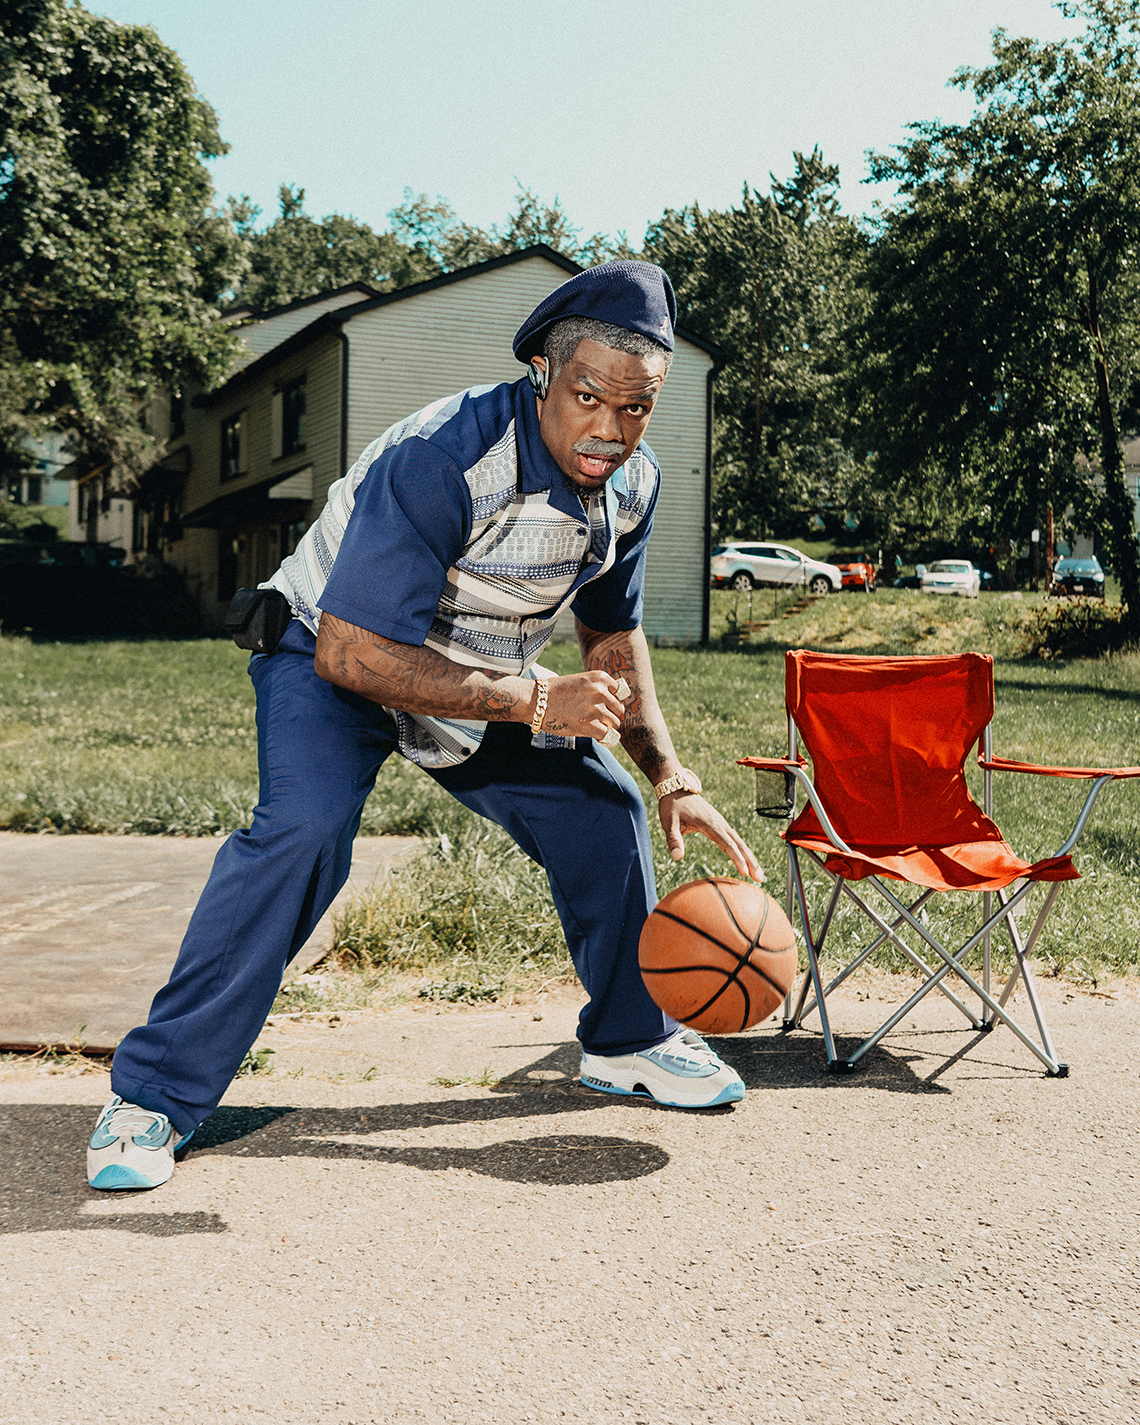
(598, 447)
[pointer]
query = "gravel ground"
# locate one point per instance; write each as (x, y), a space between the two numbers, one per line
(946, 1236)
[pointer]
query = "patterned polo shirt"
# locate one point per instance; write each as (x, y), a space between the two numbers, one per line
(456, 530)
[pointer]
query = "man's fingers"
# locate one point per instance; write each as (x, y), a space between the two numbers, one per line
(673, 835)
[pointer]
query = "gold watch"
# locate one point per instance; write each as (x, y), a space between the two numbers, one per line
(683, 781)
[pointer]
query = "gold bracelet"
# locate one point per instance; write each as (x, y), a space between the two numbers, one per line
(540, 706)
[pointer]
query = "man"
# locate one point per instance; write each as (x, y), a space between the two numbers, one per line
(422, 598)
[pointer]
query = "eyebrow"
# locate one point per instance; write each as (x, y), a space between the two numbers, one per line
(645, 398)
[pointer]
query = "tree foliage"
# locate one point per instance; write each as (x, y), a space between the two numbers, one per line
(776, 282)
(112, 254)
(1000, 357)
(432, 230)
(299, 256)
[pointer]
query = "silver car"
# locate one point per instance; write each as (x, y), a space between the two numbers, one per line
(745, 565)
(952, 576)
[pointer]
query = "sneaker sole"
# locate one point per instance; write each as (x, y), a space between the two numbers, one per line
(117, 1178)
(732, 1093)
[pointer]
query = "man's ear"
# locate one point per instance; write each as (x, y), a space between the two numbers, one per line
(539, 376)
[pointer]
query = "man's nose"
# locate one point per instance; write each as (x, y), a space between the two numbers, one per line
(606, 425)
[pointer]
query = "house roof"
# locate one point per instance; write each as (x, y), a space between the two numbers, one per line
(330, 323)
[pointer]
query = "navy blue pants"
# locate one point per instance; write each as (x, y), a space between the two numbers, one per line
(576, 813)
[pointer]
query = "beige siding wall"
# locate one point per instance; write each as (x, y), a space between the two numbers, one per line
(196, 555)
(411, 352)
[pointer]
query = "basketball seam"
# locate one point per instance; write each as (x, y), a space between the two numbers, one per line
(741, 960)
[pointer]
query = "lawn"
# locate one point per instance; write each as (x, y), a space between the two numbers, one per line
(151, 737)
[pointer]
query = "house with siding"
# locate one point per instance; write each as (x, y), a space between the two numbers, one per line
(252, 460)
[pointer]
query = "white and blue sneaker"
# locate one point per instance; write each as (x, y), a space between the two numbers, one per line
(683, 1072)
(131, 1148)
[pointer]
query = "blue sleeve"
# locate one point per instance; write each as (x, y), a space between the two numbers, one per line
(613, 602)
(410, 521)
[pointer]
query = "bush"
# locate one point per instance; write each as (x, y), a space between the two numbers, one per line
(1080, 628)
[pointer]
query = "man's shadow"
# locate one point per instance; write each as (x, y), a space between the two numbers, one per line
(52, 1137)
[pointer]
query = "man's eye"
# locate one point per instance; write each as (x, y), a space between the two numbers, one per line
(637, 410)
(585, 397)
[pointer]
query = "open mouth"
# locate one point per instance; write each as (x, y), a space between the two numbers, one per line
(596, 467)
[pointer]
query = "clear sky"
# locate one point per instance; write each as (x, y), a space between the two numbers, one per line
(620, 109)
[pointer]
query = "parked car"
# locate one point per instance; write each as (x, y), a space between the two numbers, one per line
(858, 571)
(952, 576)
(1084, 577)
(907, 581)
(744, 565)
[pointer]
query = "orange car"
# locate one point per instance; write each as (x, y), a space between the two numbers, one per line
(857, 570)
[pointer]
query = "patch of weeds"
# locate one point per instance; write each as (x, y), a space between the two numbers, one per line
(460, 991)
(473, 908)
(485, 1080)
(257, 1061)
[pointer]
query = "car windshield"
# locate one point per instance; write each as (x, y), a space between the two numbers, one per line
(950, 566)
(1079, 566)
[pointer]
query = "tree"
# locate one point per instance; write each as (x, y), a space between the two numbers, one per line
(299, 256)
(1001, 349)
(112, 254)
(432, 230)
(775, 282)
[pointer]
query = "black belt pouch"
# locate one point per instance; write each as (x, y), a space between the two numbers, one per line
(257, 619)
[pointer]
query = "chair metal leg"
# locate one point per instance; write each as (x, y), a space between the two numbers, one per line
(987, 1018)
(952, 963)
(789, 911)
(813, 962)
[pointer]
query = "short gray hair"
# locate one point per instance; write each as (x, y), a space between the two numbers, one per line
(563, 338)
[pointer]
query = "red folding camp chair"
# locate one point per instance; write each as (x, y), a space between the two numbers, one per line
(888, 801)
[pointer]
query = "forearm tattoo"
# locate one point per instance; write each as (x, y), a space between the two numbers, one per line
(644, 734)
(413, 679)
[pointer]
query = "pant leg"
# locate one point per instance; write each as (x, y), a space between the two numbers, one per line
(319, 749)
(580, 816)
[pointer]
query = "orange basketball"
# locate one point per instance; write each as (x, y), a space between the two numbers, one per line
(718, 954)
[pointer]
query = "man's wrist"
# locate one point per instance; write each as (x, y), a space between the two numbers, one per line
(681, 781)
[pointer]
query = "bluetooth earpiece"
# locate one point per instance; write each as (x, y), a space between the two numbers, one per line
(539, 379)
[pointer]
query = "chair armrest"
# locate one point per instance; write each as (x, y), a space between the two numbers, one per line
(1003, 764)
(772, 764)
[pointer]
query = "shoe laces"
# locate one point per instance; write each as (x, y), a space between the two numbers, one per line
(131, 1121)
(688, 1048)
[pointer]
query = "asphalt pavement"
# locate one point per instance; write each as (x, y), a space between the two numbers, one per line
(419, 1216)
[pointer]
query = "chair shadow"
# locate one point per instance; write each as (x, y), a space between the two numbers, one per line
(776, 1059)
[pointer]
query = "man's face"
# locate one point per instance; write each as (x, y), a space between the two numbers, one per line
(596, 411)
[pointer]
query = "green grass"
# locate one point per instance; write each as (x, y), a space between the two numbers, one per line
(159, 737)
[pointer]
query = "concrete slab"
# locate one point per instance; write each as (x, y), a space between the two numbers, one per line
(90, 926)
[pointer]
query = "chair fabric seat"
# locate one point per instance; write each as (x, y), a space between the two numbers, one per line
(988, 865)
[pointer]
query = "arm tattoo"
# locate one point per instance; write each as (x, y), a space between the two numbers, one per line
(413, 679)
(644, 734)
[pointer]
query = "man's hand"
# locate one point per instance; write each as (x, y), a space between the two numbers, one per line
(583, 705)
(682, 813)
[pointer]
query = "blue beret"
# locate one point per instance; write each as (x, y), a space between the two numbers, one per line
(635, 295)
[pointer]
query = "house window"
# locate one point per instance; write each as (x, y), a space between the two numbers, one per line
(293, 418)
(177, 415)
(231, 447)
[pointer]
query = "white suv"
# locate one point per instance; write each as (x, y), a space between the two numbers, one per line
(744, 565)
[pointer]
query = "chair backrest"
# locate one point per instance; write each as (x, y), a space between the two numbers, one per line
(889, 738)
